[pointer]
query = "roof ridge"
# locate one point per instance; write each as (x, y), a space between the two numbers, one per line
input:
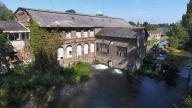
(62, 12)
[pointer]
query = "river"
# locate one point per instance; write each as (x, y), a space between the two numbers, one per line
(107, 89)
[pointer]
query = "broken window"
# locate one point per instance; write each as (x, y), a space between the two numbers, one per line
(92, 48)
(86, 49)
(69, 51)
(121, 51)
(104, 48)
(23, 36)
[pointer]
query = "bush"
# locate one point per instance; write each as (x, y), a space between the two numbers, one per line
(27, 81)
(81, 71)
(188, 102)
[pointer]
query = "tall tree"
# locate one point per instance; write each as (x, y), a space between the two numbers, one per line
(187, 23)
(178, 36)
(5, 13)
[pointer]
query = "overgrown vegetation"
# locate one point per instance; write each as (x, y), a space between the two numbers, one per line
(166, 70)
(5, 48)
(151, 42)
(44, 45)
(188, 102)
(37, 78)
(187, 24)
(26, 81)
(178, 37)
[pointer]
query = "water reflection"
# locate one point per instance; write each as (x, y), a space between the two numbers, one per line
(107, 89)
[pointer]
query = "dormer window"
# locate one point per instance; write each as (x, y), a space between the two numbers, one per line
(92, 34)
(68, 35)
(85, 34)
(78, 34)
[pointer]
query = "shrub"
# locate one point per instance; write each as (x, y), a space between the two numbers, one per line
(81, 71)
(27, 81)
(188, 102)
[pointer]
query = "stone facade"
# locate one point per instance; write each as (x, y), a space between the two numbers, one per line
(123, 53)
(81, 40)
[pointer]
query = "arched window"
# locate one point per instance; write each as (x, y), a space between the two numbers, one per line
(86, 48)
(92, 47)
(79, 50)
(60, 54)
(69, 51)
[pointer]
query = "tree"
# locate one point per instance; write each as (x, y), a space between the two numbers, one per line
(132, 23)
(70, 11)
(187, 23)
(149, 26)
(5, 48)
(5, 13)
(99, 14)
(178, 37)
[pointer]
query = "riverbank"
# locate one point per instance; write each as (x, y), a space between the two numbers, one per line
(112, 90)
(27, 86)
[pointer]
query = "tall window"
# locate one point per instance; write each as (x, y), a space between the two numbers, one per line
(121, 51)
(69, 51)
(92, 47)
(86, 48)
(60, 54)
(79, 50)
(104, 48)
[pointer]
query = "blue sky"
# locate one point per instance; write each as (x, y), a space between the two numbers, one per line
(153, 11)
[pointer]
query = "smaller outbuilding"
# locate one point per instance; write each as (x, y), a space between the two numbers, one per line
(122, 48)
(17, 34)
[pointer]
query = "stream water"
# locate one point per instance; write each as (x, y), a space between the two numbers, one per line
(107, 89)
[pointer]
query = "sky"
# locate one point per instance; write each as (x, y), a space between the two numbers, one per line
(152, 11)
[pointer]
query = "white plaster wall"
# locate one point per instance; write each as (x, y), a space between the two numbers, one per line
(18, 45)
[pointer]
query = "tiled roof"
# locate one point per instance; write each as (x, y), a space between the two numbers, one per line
(11, 26)
(120, 32)
(47, 18)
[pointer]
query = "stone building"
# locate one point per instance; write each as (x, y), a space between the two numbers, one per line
(17, 34)
(81, 32)
(122, 48)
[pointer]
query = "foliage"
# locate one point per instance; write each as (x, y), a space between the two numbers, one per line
(5, 48)
(178, 36)
(151, 42)
(148, 70)
(27, 81)
(171, 71)
(81, 71)
(70, 11)
(132, 23)
(149, 26)
(44, 45)
(188, 102)
(99, 14)
(5, 13)
(187, 24)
